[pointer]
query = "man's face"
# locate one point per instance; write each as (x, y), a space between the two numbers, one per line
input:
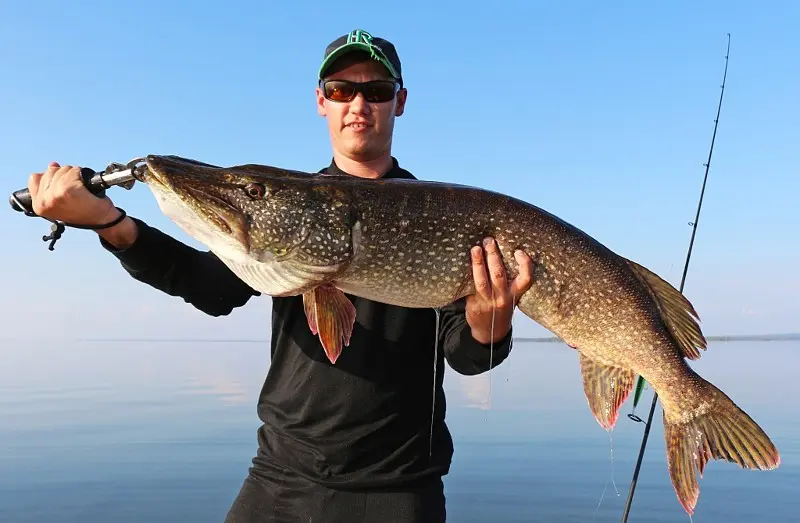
(360, 130)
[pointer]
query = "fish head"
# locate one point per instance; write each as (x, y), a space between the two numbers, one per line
(243, 213)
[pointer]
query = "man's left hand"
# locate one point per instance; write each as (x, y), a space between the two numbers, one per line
(493, 291)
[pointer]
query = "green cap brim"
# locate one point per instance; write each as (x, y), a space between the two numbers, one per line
(376, 53)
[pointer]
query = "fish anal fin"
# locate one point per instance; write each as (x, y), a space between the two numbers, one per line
(606, 389)
(676, 310)
(331, 317)
(720, 431)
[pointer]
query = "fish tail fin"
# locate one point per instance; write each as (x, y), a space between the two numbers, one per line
(677, 312)
(719, 430)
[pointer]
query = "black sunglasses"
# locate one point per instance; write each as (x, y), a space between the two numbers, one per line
(376, 91)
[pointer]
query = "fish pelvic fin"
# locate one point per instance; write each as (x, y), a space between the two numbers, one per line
(331, 317)
(677, 312)
(720, 430)
(606, 389)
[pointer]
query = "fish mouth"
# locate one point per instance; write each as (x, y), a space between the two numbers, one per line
(201, 190)
(218, 210)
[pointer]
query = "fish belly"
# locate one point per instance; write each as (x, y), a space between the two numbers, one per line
(277, 278)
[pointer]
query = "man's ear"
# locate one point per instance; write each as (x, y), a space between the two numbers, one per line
(321, 109)
(402, 94)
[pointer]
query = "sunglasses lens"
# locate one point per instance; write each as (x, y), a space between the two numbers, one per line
(339, 90)
(378, 92)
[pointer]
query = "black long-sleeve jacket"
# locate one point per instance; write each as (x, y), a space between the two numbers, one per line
(364, 422)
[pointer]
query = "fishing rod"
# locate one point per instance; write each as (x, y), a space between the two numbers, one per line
(640, 381)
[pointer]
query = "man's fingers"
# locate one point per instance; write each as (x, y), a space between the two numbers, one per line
(497, 273)
(67, 174)
(491, 280)
(524, 278)
(47, 176)
(497, 270)
(34, 180)
(479, 275)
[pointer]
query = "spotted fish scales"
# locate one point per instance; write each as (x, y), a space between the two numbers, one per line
(407, 242)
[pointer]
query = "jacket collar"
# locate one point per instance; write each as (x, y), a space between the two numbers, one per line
(394, 172)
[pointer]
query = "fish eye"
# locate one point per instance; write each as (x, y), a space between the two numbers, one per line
(255, 190)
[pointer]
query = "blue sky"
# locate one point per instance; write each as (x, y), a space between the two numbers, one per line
(601, 115)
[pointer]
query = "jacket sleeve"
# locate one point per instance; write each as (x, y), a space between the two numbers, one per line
(464, 353)
(166, 264)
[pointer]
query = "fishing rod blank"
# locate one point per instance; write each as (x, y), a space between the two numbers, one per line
(640, 381)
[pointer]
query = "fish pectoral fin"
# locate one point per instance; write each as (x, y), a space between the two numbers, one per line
(606, 389)
(331, 317)
(677, 312)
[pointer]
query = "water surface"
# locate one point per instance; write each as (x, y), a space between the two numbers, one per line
(164, 431)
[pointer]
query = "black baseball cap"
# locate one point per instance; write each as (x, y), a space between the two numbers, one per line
(380, 49)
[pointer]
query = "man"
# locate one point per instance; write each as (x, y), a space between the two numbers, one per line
(363, 440)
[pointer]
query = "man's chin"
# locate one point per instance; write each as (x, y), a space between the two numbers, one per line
(359, 149)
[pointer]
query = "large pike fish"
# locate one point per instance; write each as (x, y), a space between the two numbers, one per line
(406, 242)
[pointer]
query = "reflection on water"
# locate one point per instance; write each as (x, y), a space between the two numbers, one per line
(164, 431)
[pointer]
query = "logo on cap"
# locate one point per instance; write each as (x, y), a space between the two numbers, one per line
(359, 35)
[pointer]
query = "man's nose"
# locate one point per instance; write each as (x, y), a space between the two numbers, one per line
(359, 105)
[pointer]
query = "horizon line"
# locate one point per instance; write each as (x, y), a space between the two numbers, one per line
(524, 339)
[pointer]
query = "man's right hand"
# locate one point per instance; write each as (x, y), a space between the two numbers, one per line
(59, 194)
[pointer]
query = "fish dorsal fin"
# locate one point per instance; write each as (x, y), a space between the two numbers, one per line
(331, 316)
(677, 312)
(606, 389)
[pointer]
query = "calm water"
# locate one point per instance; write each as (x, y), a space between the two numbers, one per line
(164, 431)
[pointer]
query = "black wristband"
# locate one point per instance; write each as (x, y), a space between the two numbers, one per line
(112, 223)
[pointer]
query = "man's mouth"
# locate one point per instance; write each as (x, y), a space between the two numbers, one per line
(357, 126)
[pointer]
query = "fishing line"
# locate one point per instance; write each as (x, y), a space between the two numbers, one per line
(613, 482)
(514, 303)
(435, 365)
(491, 354)
(649, 422)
